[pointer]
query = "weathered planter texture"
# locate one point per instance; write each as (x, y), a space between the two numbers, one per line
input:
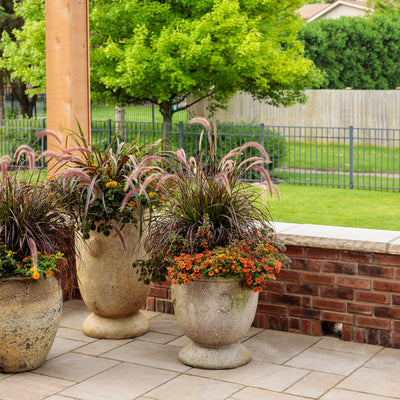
(109, 285)
(215, 314)
(30, 313)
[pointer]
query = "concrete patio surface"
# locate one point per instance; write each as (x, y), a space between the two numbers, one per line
(285, 366)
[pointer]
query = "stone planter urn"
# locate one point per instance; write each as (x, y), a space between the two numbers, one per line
(30, 313)
(109, 285)
(215, 314)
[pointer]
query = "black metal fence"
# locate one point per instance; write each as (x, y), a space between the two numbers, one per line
(341, 157)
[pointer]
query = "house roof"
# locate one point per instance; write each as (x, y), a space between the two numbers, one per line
(310, 12)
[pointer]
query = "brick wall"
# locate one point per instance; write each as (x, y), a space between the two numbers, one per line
(359, 289)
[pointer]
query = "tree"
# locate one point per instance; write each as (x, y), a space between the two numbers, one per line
(167, 50)
(164, 51)
(384, 6)
(8, 22)
(356, 52)
(24, 53)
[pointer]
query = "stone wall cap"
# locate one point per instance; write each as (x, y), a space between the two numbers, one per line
(336, 237)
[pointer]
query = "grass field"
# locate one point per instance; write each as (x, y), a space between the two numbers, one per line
(134, 114)
(355, 208)
(336, 157)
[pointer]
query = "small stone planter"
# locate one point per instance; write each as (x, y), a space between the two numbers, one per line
(30, 313)
(215, 314)
(109, 285)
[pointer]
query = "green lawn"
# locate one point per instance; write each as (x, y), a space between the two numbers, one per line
(338, 207)
(335, 157)
(134, 114)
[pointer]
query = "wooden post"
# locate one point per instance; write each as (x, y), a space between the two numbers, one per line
(67, 71)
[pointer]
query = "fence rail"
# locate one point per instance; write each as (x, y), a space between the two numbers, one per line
(341, 157)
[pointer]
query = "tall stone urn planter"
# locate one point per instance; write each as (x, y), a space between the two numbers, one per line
(30, 312)
(215, 314)
(109, 285)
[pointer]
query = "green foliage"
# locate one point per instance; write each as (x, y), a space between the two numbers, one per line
(24, 52)
(384, 6)
(205, 188)
(12, 113)
(159, 51)
(31, 212)
(163, 51)
(96, 183)
(356, 52)
(44, 264)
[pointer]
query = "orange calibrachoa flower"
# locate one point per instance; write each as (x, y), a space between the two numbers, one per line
(36, 275)
(252, 262)
(111, 184)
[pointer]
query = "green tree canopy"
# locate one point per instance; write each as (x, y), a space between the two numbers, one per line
(24, 52)
(165, 50)
(384, 6)
(162, 50)
(356, 52)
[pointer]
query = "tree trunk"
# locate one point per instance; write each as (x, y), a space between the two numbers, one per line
(167, 112)
(120, 121)
(26, 103)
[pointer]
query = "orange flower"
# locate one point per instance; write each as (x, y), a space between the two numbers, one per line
(132, 203)
(36, 275)
(111, 184)
(210, 273)
(49, 273)
(196, 269)
(175, 282)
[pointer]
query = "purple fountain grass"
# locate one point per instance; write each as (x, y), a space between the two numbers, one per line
(206, 188)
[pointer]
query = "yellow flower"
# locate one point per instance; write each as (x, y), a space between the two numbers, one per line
(49, 273)
(36, 275)
(32, 269)
(95, 165)
(9, 254)
(151, 194)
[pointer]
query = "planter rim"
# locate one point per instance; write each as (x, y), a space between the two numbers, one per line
(19, 278)
(212, 279)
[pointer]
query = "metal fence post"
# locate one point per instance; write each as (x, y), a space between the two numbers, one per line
(42, 145)
(262, 139)
(181, 134)
(108, 132)
(351, 149)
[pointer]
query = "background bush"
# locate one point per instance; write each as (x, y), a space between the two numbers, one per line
(356, 52)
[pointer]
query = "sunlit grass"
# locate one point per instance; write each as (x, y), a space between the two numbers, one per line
(336, 206)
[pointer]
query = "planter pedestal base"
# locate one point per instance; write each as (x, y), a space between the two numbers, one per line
(225, 357)
(115, 328)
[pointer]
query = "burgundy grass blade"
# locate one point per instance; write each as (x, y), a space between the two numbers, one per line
(49, 133)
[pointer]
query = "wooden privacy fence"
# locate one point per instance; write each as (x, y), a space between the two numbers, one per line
(324, 108)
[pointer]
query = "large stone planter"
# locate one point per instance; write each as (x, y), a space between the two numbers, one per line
(109, 285)
(215, 314)
(30, 312)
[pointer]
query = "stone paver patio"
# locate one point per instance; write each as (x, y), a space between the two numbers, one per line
(285, 366)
